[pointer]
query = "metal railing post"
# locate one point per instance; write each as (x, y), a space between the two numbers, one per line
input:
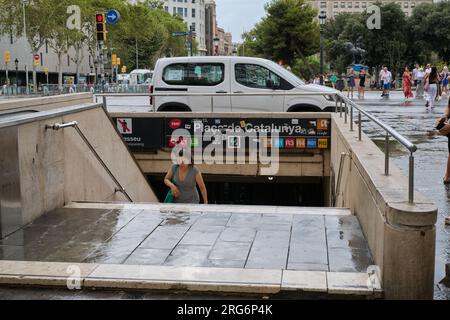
(336, 97)
(345, 112)
(340, 109)
(212, 103)
(386, 155)
(104, 102)
(411, 179)
(359, 127)
(351, 118)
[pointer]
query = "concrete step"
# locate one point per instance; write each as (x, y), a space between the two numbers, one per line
(289, 283)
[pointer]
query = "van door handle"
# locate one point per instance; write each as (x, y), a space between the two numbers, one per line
(221, 91)
(238, 92)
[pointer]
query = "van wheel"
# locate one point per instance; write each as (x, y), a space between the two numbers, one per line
(178, 107)
(304, 108)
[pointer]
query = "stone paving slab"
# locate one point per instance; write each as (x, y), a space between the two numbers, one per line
(186, 237)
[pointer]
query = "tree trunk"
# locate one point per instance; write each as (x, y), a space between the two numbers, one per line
(34, 77)
(306, 62)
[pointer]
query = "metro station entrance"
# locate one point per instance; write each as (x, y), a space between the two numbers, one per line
(239, 190)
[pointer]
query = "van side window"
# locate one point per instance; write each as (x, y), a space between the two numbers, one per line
(255, 76)
(194, 74)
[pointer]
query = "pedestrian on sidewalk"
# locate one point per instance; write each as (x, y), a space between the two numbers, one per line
(419, 88)
(414, 74)
(444, 76)
(362, 84)
(386, 77)
(350, 82)
(333, 80)
(407, 83)
(431, 85)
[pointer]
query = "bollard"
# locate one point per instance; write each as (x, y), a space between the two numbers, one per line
(345, 112)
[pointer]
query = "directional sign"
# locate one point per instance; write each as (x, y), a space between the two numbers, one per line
(124, 69)
(180, 34)
(114, 59)
(118, 61)
(112, 16)
(7, 56)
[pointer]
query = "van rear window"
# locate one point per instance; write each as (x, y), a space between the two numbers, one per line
(194, 74)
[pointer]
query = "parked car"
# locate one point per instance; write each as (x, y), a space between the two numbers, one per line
(140, 77)
(216, 74)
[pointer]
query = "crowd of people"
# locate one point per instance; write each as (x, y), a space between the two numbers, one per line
(429, 83)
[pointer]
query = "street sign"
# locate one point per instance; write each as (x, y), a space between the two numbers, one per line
(112, 16)
(7, 56)
(114, 59)
(36, 59)
(124, 69)
(118, 61)
(180, 34)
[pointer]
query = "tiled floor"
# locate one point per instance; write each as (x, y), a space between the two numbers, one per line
(196, 239)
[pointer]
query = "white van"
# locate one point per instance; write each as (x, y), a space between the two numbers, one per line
(233, 75)
(140, 77)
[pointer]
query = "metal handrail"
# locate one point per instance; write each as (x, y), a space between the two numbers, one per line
(339, 100)
(338, 184)
(74, 124)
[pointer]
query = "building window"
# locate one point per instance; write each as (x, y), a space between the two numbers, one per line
(356, 4)
(185, 12)
(363, 5)
(166, 8)
(349, 4)
(180, 12)
(342, 4)
(413, 4)
(193, 26)
(405, 4)
(335, 5)
(174, 10)
(193, 13)
(323, 4)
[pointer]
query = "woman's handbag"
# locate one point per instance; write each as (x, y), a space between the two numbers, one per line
(169, 196)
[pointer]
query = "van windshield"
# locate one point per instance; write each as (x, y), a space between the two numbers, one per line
(296, 81)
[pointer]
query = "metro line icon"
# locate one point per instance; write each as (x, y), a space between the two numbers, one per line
(125, 125)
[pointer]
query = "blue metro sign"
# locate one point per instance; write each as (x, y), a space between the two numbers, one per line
(112, 16)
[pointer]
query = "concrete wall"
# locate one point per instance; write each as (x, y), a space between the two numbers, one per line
(56, 167)
(44, 103)
(401, 236)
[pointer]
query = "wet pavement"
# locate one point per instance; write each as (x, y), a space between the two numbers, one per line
(309, 242)
(416, 122)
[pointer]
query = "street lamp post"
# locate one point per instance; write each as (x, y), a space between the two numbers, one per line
(322, 20)
(216, 46)
(25, 43)
(16, 62)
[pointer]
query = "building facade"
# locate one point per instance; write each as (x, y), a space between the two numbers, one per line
(193, 13)
(333, 8)
(20, 51)
(210, 25)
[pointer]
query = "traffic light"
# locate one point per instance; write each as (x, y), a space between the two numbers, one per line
(101, 26)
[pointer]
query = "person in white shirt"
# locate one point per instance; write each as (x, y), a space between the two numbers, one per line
(419, 88)
(414, 74)
(386, 77)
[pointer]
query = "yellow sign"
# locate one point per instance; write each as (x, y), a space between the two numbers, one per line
(46, 71)
(323, 143)
(322, 124)
(114, 59)
(7, 56)
(124, 69)
(118, 61)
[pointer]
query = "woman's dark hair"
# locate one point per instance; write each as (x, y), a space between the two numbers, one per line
(433, 74)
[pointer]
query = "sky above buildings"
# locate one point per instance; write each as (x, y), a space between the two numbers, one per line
(236, 16)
